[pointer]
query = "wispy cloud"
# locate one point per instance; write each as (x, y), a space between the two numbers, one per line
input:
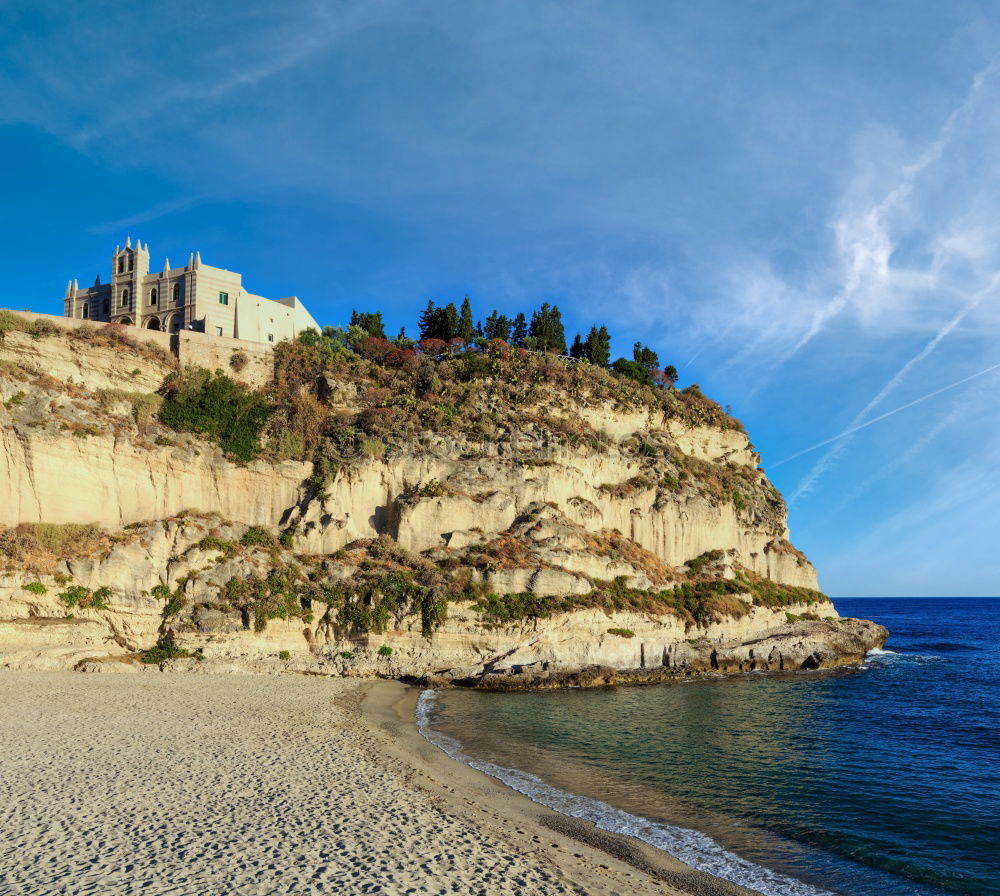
(896, 462)
(865, 241)
(824, 463)
(153, 213)
(859, 426)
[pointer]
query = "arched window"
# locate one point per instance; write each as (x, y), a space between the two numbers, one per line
(131, 261)
(152, 297)
(121, 264)
(107, 307)
(125, 301)
(86, 310)
(177, 293)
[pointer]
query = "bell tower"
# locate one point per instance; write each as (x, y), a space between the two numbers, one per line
(129, 268)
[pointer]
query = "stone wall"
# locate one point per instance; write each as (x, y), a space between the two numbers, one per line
(218, 352)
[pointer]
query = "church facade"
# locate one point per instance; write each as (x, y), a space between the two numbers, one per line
(195, 297)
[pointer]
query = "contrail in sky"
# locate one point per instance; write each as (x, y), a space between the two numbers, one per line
(910, 404)
(824, 462)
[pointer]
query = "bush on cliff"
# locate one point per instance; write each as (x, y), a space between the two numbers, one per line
(38, 547)
(228, 412)
(11, 322)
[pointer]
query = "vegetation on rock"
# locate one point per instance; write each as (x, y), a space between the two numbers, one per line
(218, 407)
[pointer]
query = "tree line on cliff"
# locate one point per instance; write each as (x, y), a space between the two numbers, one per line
(454, 327)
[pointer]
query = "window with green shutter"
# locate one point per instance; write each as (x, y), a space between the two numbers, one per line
(223, 298)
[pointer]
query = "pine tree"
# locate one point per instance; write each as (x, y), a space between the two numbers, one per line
(465, 321)
(547, 329)
(576, 351)
(426, 320)
(450, 322)
(497, 326)
(645, 356)
(597, 347)
(370, 322)
(439, 323)
(519, 331)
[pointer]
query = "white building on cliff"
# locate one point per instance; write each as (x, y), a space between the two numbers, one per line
(195, 297)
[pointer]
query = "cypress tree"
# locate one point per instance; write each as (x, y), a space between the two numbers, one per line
(519, 331)
(597, 347)
(547, 329)
(465, 321)
(497, 326)
(370, 322)
(426, 321)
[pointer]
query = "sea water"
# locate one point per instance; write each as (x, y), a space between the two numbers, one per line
(883, 780)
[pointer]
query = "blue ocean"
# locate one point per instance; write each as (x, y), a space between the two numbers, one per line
(884, 780)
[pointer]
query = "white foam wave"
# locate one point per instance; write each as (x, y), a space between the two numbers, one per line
(692, 847)
(881, 657)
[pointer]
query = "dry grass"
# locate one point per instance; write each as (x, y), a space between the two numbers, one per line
(145, 405)
(119, 337)
(616, 546)
(506, 552)
(38, 547)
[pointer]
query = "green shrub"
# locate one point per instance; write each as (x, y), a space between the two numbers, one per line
(696, 565)
(258, 537)
(633, 370)
(279, 595)
(225, 411)
(368, 602)
(175, 603)
(165, 649)
(346, 654)
(211, 543)
(385, 650)
(15, 401)
(504, 608)
(284, 654)
(36, 588)
(431, 489)
(739, 502)
(84, 598)
(622, 632)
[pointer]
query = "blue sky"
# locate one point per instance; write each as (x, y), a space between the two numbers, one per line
(795, 203)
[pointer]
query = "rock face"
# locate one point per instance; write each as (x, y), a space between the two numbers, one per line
(658, 548)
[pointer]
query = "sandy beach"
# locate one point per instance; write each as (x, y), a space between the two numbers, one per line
(163, 783)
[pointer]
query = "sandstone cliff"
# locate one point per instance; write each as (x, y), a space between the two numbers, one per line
(518, 524)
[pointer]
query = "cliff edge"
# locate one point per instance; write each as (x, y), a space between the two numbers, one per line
(488, 517)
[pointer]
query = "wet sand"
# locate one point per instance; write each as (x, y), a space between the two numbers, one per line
(163, 783)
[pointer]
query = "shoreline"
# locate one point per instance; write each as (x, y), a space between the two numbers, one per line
(391, 708)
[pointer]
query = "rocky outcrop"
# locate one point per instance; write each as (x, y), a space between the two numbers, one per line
(652, 548)
(172, 579)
